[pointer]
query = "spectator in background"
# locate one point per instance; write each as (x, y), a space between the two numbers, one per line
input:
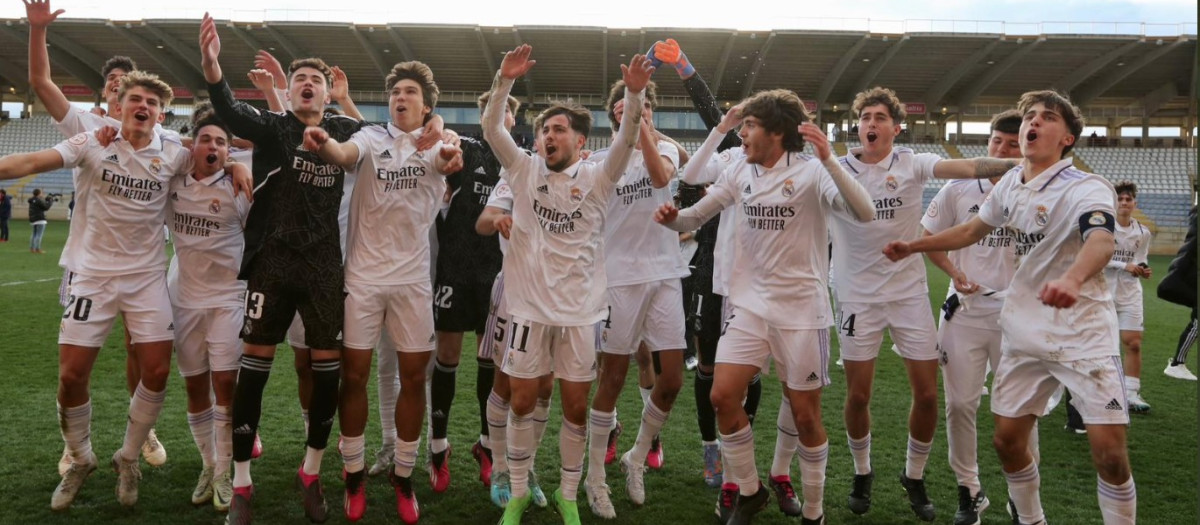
(5, 214)
(1179, 287)
(37, 218)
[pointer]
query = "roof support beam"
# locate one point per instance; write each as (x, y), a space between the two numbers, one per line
(376, 57)
(720, 73)
(1073, 79)
(184, 74)
(530, 93)
(1154, 100)
(62, 56)
(15, 75)
(1105, 82)
(405, 52)
(488, 57)
(934, 96)
(758, 64)
(244, 35)
(832, 78)
(980, 85)
(186, 53)
(877, 66)
(604, 61)
(296, 51)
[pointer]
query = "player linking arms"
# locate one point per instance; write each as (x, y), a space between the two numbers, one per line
(1058, 324)
(780, 297)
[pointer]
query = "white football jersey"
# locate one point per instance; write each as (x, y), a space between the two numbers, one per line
(989, 262)
(1045, 216)
(896, 186)
(1133, 246)
(393, 208)
(79, 120)
(636, 249)
(502, 197)
(780, 240)
(206, 222)
(120, 203)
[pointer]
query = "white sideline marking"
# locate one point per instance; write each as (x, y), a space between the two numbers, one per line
(14, 283)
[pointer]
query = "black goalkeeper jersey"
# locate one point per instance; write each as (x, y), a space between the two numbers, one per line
(297, 194)
(464, 255)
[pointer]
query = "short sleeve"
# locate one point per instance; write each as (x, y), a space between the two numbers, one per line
(668, 150)
(502, 195)
(923, 164)
(1095, 206)
(992, 210)
(74, 150)
(940, 215)
(79, 120)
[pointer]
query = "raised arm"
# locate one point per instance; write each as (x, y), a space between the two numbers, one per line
(669, 53)
(704, 168)
(852, 196)
(40, 17)
(516, 63)
(636, 76)
(659, 167)
(243, 119)
(264, 81)
(22, 164)
(267, 61)
(329, 149)
(340, 93)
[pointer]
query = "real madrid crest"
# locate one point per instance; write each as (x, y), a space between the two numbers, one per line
(1042, 218)
(215, 206)
(789, 188)
(576, 195)
(156, 165)
(890, 183)
(1097, 219)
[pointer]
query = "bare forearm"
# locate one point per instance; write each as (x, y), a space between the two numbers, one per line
(39, 76)
(988, 167)
(344, 155)
(350, 109)
(1097, 250)
(960, 236)
(486, 223)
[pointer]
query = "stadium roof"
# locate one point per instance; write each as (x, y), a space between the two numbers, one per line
(1118, 77)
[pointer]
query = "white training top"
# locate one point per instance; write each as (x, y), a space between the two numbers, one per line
(1045, 216)
(989, 263)
(120, 203)
(502, 197)
(636, 249)
(1133, 246)
(207, 223)
(554, 273)
(896, 185)
(780, 240)
(393, 208)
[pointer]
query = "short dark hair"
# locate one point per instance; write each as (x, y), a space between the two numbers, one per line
(37, 191)
(1126, 186)
(211, 119)
(421, 74)
(201, 111)
(314, 63)
(513, 103)
(1055, 101)
(1008, 121)
(121, 62)
(880, 95)
(781, 112)
(578, 116)
(617, 92)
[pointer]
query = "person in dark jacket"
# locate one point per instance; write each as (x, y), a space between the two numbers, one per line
(5, 214)
(1179, 287)
(37, 219)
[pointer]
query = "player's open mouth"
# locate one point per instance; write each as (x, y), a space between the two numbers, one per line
(871, 136)
(550, 150)
(1030, 137)
(306, 94)
(141, 116)
(211, 158)
(401, 109)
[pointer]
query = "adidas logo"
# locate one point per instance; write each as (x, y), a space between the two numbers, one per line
(543, 189)
(813, 377)
(244, 429)
(171, 327)
(973, 209)
(112, 158)
(1113, 405)
(387, 154)
(746, 190)
(438, 413)
(481, 171)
